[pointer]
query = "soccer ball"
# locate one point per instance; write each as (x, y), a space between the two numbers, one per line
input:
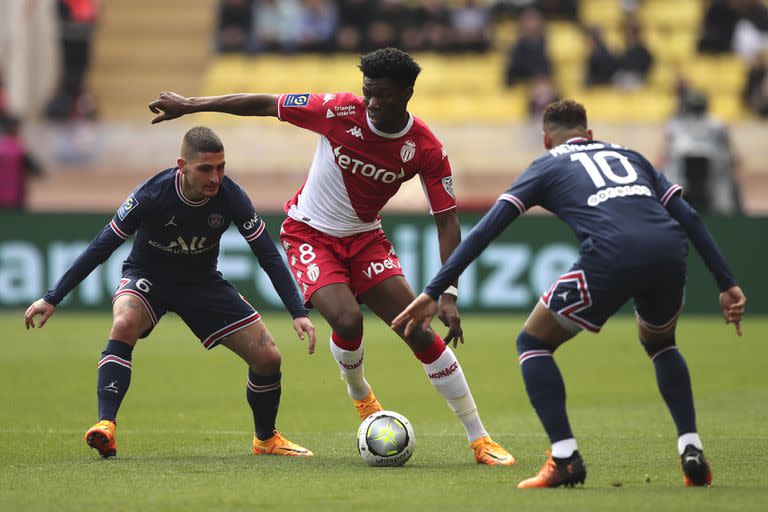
(385, 438)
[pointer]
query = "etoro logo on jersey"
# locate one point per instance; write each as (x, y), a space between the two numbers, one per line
(347, 163)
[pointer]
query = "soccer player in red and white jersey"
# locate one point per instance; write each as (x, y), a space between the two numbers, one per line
(369, 146)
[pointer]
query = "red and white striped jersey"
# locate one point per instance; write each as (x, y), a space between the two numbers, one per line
(357, 168)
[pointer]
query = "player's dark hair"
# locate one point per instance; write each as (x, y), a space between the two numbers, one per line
(565, 114)
(200, 139)
(390, 63)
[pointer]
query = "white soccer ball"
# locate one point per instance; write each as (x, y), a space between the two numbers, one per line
(385, 438)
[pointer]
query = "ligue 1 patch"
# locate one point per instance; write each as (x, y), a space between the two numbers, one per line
(296, 100)
(215, 220)
(128, 206)
(448, 185)
(408, 150)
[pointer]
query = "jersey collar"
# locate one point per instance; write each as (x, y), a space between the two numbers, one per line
(576, 139)
(390, 135)
(183, 198)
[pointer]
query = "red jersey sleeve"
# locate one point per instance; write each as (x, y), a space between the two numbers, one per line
(437, 180)
(312, 111)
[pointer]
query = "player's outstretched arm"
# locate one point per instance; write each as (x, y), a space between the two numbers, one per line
(303, 325)
(39, 307)
(732, 302)
(170, 105)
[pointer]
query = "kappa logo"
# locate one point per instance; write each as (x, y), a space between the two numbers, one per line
(328, 97)
(347, 163)
(375, 268)
(355, 131)
(444, 152)
(407, 151)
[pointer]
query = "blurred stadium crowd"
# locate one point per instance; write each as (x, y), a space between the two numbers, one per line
(78, 74)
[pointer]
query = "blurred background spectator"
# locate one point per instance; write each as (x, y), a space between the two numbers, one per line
(528, 57)
(718, 26)
(635, 62)
(235, 23)
(77, 19)
(699, 157)
(601, 64)
(16, 165)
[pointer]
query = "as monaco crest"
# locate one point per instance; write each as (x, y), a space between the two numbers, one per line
(408, 150)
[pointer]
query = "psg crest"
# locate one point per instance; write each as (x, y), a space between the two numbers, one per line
(408, 150)
(215, 220)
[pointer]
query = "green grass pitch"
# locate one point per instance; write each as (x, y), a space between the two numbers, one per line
(185, 428)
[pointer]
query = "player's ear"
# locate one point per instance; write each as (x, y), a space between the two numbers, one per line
(589, 135)
(407, 93)
(181, 164)
(547, 140)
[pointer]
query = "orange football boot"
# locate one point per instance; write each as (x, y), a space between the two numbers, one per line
(101, 436)
(278, 445)
(367, 405)
(568, 472)
(487, 451)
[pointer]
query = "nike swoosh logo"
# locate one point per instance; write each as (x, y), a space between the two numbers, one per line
(495, 456)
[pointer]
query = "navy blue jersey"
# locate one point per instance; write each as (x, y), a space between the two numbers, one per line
(611, 197)
(177, 239)
(177, 236)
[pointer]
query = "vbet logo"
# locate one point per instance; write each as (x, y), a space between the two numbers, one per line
(376, 268)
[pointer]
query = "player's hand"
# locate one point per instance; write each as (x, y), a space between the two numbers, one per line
(418, 312)
(732, 302)
(304, 325)
(168, 105)
(448, 313)
(39, 307)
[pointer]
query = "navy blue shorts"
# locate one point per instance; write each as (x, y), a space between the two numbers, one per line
(210, 306)
(590, 293)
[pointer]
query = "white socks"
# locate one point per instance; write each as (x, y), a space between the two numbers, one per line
(689, 438)
(351, 366)
(564, 449)
(447, 377)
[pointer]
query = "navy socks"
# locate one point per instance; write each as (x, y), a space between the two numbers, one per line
(114, 377)
(264, 398)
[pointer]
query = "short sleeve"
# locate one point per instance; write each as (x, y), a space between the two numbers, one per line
(526, 190)
(128, 217)
(314, 112)
(438, 182)
(244, 215)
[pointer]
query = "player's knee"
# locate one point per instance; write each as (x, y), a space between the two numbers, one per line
(527, 343)
(126, 327)
(266, 362)
(420, 339)
(653, 343)
(348, 325)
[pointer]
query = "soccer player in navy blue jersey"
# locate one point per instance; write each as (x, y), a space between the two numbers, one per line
(178, 217)
(634, 227)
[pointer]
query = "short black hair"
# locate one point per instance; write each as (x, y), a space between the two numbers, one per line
(565, 114)
(390, 63)
(200, 139)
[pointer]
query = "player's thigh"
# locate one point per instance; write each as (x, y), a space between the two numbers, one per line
(544, 325)
(213, 309)
(372, 265)
(389, 297)
(137, 306)
(337, 304)
(660, 302)
(316, 259)
(585, 297)
(255, 345)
